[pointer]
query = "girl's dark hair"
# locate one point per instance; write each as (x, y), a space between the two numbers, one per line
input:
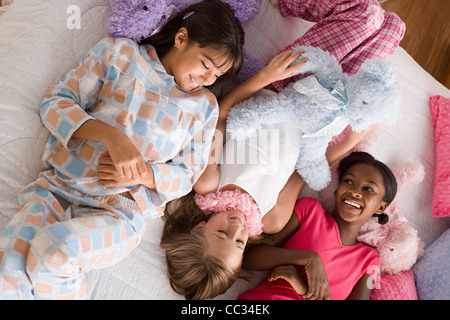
(390, 183)
(209, 23)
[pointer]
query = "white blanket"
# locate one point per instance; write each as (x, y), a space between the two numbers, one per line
(38, 46)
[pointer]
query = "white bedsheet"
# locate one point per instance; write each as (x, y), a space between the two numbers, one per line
(37, 48)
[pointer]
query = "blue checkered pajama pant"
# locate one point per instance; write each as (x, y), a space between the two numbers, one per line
(47, 248)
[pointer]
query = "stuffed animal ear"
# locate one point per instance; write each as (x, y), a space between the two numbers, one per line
(243, 10)
(407, 174)
(374, 96)
(321, 63)
(182, 4)
(379, 71)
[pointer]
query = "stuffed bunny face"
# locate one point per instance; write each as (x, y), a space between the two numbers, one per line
(372, 95)
(400, 250)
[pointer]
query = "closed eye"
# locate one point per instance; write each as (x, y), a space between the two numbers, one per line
(223, 232)
(204, 65)
(240, 242)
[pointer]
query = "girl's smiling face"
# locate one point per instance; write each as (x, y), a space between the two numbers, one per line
(360, 193)
(193, 66)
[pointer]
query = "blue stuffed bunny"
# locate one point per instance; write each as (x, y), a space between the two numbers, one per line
(321, 105)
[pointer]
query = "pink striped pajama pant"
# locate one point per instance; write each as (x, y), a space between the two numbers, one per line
(352, 30)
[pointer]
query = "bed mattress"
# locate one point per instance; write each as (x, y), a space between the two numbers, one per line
(38, 45)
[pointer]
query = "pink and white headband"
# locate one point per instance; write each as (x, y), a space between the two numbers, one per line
(220, 201)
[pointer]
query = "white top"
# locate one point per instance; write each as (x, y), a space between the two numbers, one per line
(262, 163)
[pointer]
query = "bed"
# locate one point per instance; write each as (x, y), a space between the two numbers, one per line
(41, 40)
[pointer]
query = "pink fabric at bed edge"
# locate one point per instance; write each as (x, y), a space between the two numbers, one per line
(440, 112)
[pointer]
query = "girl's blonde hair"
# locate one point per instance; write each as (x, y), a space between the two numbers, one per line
(192, 272)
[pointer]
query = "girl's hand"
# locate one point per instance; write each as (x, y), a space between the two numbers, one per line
(291, 274)
(278, 68)
(110, 177)
(318, 288)
(126, 158)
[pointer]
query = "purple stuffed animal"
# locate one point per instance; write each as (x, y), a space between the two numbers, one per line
(138, 19)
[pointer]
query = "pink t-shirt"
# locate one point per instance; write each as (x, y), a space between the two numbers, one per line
(319, 232)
